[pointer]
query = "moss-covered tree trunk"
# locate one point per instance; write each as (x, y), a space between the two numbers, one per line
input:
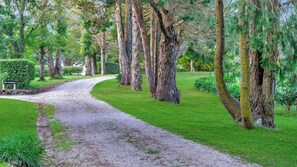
(136, 82)
(230, 103)
(245, 108)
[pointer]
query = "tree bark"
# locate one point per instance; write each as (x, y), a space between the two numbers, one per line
(154, 45)
(128, 29)
(58, 65)
(136, 82)
(166, 87)
(145, 43)
(103, 52)
(245, 107)
(124, 59)
(230, 103)
(41, 63)
(51, 65)
(94, 65)
(192, 66)
(88, 66)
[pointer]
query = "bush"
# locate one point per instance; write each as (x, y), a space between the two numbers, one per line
(119, 78)
(37, 71)
(19, 70)
(21, 151)
(111, 68)
(71, 70)
(209, 85)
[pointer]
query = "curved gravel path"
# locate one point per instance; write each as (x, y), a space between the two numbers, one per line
(106, 136)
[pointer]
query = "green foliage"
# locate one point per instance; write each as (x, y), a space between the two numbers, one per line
(3, 77)
(19, 70)
(208, 85)
(119, 78)
(110, 68)
(24, 151)
(200, 62)
(72, 70)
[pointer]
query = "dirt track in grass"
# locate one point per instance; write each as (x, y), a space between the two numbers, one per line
(105, 136)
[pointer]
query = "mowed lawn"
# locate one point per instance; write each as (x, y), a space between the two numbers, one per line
(18, 117)
(202, 118)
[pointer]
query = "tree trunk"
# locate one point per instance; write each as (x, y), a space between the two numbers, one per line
(88, 66)
(103, 52)
(192, 66)
(51, 65)
(136, 53)
(128, 29)
(245, 107)
(154, 45)
(166, 87)
(145, 43)
(58, 65)
(230, 103)
(94, 64)
(124, 59)
(41, 63)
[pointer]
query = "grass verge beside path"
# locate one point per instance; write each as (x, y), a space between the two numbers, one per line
(202, 118)
(35, 84)
(18, 117)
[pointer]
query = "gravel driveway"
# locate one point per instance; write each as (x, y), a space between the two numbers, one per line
(106, 136)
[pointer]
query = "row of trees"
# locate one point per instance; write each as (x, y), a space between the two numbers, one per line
(259, 33)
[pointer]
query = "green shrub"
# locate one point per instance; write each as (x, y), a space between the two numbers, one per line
(21, 151)
(19, 70)
(71, 70)
(3, 77)
(37, 71)
(111, 68)
(209, 85)
(119, 77)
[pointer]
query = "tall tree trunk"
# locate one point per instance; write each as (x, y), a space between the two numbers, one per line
(256, 69)
(136, 82)
(128, 29)
(154, 45)
(51, 65)
(103, 52)
(41, 63)
(245, 107)
(94, 64)
(192, 66)
(88, 65)
(166, 87)
(58, 65)
(145, 43)
(230, 103)
(124, 59)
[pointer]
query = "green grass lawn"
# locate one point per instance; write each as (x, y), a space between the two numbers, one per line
(17, 117)
(35, 84)
(202, 118)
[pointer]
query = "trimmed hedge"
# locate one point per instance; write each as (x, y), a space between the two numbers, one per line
(72, 70)
(19, 70)
(111, 68)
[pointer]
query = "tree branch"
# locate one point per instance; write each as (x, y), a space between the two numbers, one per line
(159, 15)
